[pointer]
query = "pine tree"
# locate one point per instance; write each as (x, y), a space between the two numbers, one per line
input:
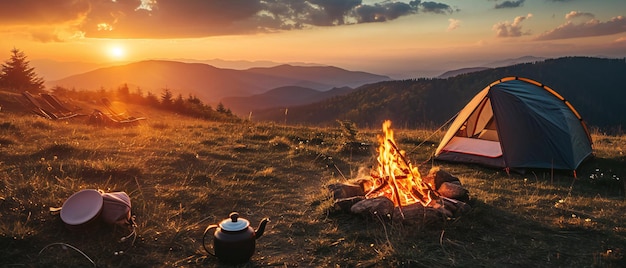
(167, 98)
(123, 92)
(220, 108)
(17, 75)
(179, 103)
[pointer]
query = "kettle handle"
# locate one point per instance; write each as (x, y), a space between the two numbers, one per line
(213, 226)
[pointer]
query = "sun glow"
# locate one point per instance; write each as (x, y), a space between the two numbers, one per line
(116, 52)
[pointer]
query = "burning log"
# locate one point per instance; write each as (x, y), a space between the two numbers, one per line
(396, 178)
(376, 190)
(451, 203)
(395, 189)
(408, 164)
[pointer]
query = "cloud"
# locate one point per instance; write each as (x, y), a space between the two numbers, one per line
(621, 40)
(46, 36)
(201, 18)
(508, 29)
(590, 28)
(453, 24)
(42, 21)
(384, 11)
(171, 18)
(332, 12)
(433, 7)
(578, 14)
(510, 4)
(35, 12)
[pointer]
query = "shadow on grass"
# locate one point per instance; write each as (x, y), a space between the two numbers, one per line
(66, 248)
(487, 236)
(605, 175)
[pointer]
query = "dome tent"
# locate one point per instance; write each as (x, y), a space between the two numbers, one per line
(517, 123)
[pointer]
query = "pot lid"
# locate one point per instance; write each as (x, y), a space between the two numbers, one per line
(234, 223)
(81, 207)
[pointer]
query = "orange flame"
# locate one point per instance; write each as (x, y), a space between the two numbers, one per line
(395, 177)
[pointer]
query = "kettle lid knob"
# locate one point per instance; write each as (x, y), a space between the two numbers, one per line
(234, 223)
(233, 216)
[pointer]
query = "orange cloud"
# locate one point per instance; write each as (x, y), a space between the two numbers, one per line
(453, 24)
(508, 29)
(621, 40)
(183, 19)
(35, 12)
(590, 28)
(577, 14)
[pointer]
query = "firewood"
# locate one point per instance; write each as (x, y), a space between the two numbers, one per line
(456, 207)
(380, 187)
(345, 204)
(462, 208)
(408, 164)
(436, 177)
(343, 190)
(418, 214)
(378, 206)
(454, 191)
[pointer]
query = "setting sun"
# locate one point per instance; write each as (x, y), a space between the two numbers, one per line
(117, 52)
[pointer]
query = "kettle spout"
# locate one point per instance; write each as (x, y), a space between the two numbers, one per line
(259, 231)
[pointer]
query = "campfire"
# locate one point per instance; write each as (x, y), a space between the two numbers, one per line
(395, 178)
(395, 190)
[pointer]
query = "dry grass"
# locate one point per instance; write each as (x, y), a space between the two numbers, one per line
(183, 174)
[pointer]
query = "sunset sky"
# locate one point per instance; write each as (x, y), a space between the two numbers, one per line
(386, 37)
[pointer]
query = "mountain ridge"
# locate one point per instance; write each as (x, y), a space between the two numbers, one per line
(591, 85)
(279, 98)
(211, 84)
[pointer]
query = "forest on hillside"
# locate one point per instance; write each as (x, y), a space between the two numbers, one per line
(17, 76)
(594, 86)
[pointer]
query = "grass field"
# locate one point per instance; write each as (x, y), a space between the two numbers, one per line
(183, 174)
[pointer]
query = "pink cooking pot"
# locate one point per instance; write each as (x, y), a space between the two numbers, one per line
(81, 210)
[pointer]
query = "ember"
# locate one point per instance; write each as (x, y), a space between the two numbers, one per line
(396, 189)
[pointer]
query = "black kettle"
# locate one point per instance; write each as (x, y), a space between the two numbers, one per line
(234, 241)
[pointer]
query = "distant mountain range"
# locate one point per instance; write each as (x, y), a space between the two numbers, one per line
(52, 70)
(594, 86)
(454, 73)
(242, 64)
(280, 98)
(212, 84)
(490, 65)
(242, 86)
(320, 95)
(514, 61)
